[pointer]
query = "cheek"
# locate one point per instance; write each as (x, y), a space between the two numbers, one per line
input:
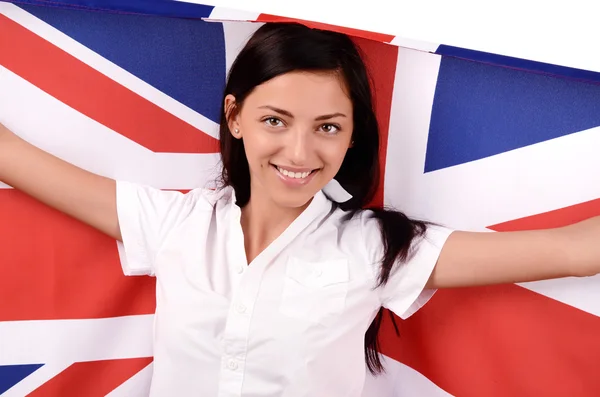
(334, 154)
(257, 149)
(251, 153)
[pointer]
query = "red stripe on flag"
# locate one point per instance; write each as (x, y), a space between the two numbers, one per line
(54, 267)
(91, 379)
(97, 96)
(381, 37)
(500, 341)
(381, 60)
(557, 218)
(504, 340)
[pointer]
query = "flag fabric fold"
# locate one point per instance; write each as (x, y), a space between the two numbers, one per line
(133, 92)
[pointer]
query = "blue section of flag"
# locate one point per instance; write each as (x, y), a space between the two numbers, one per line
(154, 7)
(518, 63)
(480, 110)
(10, 375)
(183, 58)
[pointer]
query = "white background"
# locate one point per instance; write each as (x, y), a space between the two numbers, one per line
(552, 31)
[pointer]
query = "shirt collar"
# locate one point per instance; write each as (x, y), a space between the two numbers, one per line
(335, 192)
(319, 205)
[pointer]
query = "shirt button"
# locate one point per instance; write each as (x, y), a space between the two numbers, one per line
(240, 308)
(232, 365)
(240, 269)
(318, 272)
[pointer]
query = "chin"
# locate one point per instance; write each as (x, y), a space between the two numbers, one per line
(292, 199)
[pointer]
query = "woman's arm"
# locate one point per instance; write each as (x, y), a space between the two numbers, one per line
(471, 259)
(85, 196)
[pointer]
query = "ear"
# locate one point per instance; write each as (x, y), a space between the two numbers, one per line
(232, 116)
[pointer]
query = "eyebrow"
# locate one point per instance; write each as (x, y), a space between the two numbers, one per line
(288, 114)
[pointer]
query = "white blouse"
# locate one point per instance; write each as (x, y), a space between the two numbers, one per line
(290, 324)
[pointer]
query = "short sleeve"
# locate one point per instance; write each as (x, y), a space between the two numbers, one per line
(146, 217)
(405, 293)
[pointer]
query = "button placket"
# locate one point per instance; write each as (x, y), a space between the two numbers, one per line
(232, 364)
(238, 325)
(247, 281)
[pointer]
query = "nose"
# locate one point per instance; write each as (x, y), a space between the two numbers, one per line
(299, 145)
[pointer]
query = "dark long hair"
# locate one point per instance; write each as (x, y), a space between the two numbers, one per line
(280, 48)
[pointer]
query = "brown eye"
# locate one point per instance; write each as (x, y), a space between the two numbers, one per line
(273, 122)
(330, 129)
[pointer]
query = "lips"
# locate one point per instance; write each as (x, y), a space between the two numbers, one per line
(301, 174)
(295, 176)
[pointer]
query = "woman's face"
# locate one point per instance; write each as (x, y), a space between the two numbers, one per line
(296, 129)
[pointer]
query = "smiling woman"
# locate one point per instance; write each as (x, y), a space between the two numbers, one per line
(294, 144)
(267, 284)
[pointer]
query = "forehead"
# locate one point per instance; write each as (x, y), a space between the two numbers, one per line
(303, 92)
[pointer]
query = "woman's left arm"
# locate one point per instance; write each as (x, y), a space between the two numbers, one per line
(471, 258)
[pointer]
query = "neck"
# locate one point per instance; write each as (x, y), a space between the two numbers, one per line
(263, 221)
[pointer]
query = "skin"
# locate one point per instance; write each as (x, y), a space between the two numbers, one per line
(299, 137)
(310, 130)
(296, 138)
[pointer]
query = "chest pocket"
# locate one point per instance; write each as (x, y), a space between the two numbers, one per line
(315, 291)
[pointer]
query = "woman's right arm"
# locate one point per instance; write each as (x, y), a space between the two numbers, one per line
(83, 195)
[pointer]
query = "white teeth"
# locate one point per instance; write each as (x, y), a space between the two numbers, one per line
(295, 175)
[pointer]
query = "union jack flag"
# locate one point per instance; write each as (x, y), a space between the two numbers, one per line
(469, 143)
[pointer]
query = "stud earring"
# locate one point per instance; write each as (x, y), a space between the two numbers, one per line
(236, 131)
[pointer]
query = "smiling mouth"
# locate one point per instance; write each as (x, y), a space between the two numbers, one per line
(294, 175)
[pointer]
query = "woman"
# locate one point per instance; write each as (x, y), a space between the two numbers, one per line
(273, 284)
